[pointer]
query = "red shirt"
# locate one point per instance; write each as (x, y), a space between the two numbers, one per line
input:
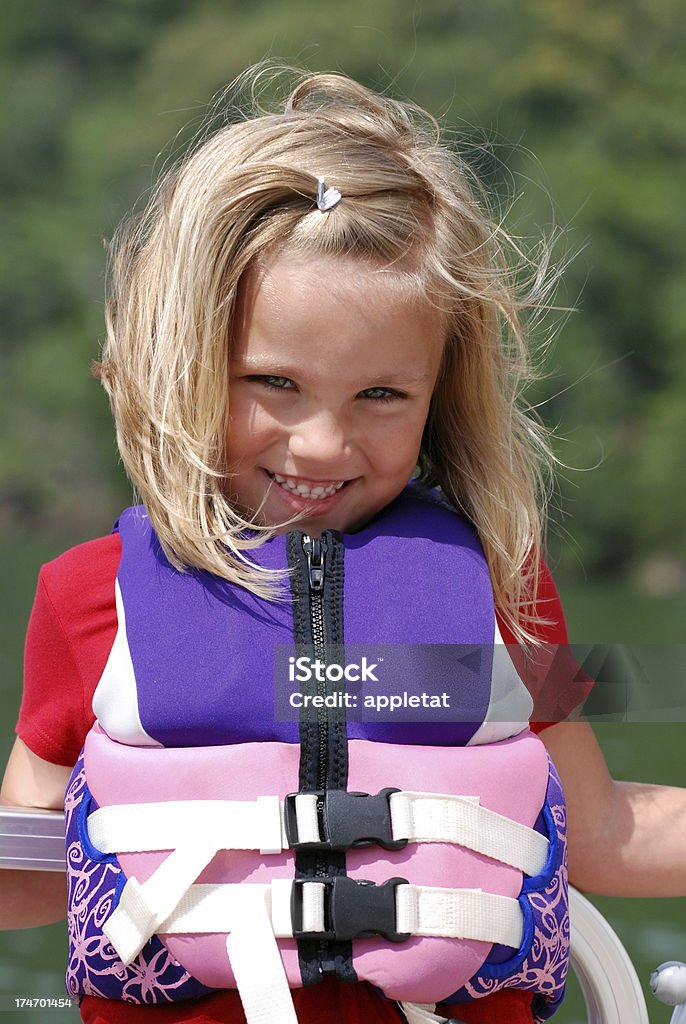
(70, 634)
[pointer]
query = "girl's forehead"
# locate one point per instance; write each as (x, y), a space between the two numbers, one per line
(334, 278)
(336, 315)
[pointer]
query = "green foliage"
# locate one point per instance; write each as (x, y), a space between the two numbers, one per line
(97, 97)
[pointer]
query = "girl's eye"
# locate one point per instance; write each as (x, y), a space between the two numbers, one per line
(380, 394)
(274, 382)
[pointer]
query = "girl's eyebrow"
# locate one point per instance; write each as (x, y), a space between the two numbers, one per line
(258, 362)
(261, 369)
(398, 378)
(266, 367)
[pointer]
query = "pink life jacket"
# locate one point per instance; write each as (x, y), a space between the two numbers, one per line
(225, 831)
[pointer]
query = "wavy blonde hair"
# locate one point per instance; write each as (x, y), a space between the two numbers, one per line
(408, 201)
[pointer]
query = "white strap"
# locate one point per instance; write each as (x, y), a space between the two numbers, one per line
(225, 907)
(434, 818)
(257, 967)
(420, 910)
(459, 914)
(313, 910)
(421, 1013)
(218, 907)
(258, 825)
(248, 913)
(231, 824)
(306, 818)
(144, 906)
(195, 831)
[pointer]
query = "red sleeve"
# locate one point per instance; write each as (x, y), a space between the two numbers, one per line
(553, 628)
(552, 631)
(71, 630)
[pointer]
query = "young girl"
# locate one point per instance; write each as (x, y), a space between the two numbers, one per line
(313, 310)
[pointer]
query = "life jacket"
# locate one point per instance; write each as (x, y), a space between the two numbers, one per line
(236, 821)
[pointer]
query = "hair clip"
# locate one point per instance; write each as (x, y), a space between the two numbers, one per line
(326, 200)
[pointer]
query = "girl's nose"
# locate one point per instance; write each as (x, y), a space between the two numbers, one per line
(322, 439)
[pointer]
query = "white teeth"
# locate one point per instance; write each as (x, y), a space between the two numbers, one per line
(317, 492)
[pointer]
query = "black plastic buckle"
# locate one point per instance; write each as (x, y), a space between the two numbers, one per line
(353, 909)
(348, 820)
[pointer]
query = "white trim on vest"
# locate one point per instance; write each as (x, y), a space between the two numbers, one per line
(510, 706)
(115, 701)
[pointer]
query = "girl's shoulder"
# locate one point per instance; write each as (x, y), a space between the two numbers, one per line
(70, 634)
(83, 573)
(75, 599)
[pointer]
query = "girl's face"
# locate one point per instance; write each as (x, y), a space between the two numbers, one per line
(332, 371)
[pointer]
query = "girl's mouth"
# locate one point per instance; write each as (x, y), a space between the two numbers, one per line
(311, 490)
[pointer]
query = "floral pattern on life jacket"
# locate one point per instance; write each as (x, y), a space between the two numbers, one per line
(94, 968)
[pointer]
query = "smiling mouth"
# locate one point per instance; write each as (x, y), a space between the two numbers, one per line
(312, 491)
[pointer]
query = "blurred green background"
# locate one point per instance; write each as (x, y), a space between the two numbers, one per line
(575, 115)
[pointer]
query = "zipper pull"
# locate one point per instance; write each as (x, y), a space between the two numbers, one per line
(315, 549)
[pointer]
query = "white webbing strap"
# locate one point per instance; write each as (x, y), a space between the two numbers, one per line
(422, 1013)
(433, 818)
(235, 824)
(420, 910)
(258, 825)
(459, 914)
(257, 967)
(144, 906)
(313, 910)
(306, 818)
(245, 824)
(224, 907)
(195, 832)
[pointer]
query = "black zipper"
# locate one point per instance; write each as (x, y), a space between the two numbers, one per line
(317, 588)
(315, 549)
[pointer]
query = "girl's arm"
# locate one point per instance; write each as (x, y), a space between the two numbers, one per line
(625, 838)
(30, 898)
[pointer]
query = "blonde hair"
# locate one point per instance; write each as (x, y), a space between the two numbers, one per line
(408, 201)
